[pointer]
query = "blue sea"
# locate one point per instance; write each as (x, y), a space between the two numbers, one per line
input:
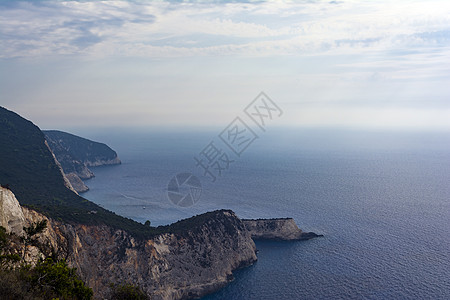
(381, 200)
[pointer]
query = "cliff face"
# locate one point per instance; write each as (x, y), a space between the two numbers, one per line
(76, 154)
(169, 266)
(76, 182)
(278, 229)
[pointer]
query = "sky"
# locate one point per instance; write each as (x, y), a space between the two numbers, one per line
(351, 64)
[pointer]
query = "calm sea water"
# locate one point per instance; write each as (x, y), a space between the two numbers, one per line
(382, 201)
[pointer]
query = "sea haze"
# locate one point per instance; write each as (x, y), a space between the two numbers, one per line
(381, 199)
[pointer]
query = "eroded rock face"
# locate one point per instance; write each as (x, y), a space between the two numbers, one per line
(76, 154)
(278, 229)
(67, 181)
(169, 266)
(11, 215)
(77, 183)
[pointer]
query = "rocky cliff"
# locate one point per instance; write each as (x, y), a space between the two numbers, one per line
(11, 215)
(188, 263)
(77, 154)
(190, 259)
(276, 229)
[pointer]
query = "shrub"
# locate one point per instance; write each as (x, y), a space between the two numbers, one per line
(127, 292)
(56, 278)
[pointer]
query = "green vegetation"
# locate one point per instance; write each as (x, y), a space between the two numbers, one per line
(196, 222)
(127, 292)
(55, 278)
(36, 228)
(30, 233)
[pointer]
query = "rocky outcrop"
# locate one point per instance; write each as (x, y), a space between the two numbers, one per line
(77, 184)
(11, 215)
(276, 229)
(187, 263)
(103, 162)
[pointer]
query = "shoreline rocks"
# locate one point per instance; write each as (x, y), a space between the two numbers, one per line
(276, 229)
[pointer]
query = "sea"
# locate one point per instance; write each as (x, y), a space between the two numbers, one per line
(380, 198)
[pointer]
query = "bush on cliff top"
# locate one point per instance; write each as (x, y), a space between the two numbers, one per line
(127, 292)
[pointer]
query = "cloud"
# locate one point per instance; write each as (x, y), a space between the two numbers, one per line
(263, 28)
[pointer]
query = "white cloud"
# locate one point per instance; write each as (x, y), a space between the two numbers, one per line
(273, 28)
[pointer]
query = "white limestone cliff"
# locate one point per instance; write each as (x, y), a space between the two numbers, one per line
(11, 215)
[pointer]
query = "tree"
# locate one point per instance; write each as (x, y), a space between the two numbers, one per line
(56, 278)
(147, 223)
(30, 232)
(35, 228)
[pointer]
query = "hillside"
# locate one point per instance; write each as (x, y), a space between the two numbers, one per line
(86, 151)
(28, 167)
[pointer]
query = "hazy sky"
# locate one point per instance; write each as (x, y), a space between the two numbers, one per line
(365, 64)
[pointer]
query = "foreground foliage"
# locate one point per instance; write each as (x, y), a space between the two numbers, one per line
(51, 278)
(47, 280)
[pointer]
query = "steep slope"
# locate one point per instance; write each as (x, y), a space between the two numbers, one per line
(28, 167)
(76, 154)
(69, 148)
